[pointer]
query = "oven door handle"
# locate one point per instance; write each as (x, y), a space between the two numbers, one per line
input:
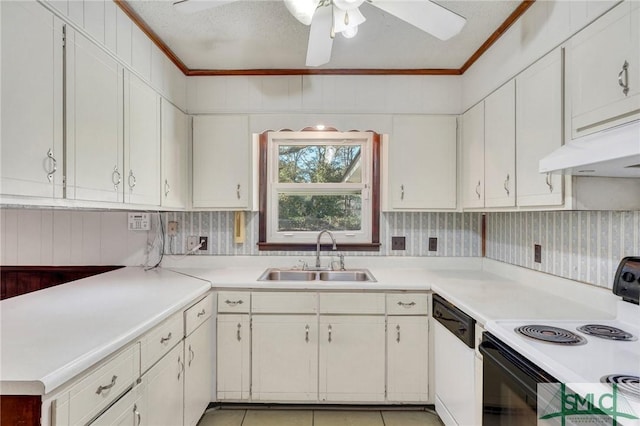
(487, 350)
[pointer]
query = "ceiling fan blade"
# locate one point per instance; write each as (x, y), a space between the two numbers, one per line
(320, 41)
(192, 6)
(425, 15)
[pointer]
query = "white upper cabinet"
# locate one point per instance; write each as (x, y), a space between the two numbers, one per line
(222, 162)
(603, 71)
(142, 142)
(539, 130)
(94, 105)
(32, 147)
(473, 157)
(500, 147)
(174, 156)
(421, 163)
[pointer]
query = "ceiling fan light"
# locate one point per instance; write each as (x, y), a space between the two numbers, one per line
(350, 32)
(347, 4)
(302, 10)
(341, 22)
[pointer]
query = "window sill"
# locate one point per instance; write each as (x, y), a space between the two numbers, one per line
(312, 247)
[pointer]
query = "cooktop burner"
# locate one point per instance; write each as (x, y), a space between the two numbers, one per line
(547, 333)
(607, 332)
(627, 384)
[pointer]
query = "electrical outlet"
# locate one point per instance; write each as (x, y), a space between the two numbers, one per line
(192, 242)
(537, 253)
(204, 241)
(172, 228)
(397, 243)
(433, 244)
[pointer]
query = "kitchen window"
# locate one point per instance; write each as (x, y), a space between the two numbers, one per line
(315, 180)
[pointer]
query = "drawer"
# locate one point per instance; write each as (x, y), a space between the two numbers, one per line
(103, 386)
(233, 302)
(157, 342)
(197, 314)
(408, 304)
(284, 303)
(352, 303)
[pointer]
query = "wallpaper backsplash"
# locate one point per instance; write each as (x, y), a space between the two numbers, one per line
(458, 234)
(581, 245)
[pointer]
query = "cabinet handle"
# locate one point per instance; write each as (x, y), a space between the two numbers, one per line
(306, 333)
(330, 329)
(54, 165)
(137, 414)
(549, 183)
(478, 190)
(201, 313)
(406, 305)
(131, 176)
(624, 72)
(233, 302)
(238, 336)
(192, 355)
(165, 339)
(180, 367)
(107, 387)
(506, 185)
(398, 333)
(116, 177)
(401, 192)
(238, 191)
(167, 188)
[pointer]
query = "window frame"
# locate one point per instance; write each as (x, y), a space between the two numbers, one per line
(266, 211)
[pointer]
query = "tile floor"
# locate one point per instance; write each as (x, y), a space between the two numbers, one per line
(275, 417)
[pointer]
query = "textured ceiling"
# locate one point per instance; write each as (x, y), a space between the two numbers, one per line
(257, 34)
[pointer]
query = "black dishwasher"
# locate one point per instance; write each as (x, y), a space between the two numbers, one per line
(453, 319)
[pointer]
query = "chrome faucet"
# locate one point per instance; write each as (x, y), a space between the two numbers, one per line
(324, 231)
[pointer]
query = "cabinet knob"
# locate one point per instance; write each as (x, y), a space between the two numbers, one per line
(54, 165)
(624, 73)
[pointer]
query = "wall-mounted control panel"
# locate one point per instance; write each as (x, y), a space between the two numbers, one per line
(139, 221)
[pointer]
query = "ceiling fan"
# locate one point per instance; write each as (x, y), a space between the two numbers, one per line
(330, 17)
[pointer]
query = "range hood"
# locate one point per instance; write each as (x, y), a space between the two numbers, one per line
(614, 152)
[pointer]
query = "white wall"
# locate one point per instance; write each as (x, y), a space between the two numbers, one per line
(63, 237)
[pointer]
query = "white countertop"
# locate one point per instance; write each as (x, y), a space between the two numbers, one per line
(49, 336)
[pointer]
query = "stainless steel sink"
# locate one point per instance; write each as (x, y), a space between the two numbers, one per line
(276, 274)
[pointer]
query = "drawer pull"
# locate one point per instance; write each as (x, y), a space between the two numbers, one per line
(107, 387)
(201, 313)
(398, 331)
(233, 302)
(406, 305)
(165, 339)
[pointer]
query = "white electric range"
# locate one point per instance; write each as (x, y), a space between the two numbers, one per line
(520, 354)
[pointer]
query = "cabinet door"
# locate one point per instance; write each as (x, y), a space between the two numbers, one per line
(473, 157)
(142, 142)
(352, 358)
(164, 390)
(94, 105)
(539, 130)
(422, 163)
(232, 361)
(596, 58)
(174, 156)
(199, 372)
(127, 411)
(500, 147)
(408, 358)
(284, 358)
(31, 131)
(221, 162)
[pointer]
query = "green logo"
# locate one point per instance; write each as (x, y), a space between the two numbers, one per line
(579, 403)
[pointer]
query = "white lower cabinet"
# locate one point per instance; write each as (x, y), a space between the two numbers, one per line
(198, 373)
(352, 358)
(408, 358)
(233, 357)
(129, 410)
(164, 389)
(284, 358)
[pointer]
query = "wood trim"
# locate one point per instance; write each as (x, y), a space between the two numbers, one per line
(483, 217)
(23, 410)
(511, 19)
(515, 15)
(122, 4)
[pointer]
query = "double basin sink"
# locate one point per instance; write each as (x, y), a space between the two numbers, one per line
(276, 274)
